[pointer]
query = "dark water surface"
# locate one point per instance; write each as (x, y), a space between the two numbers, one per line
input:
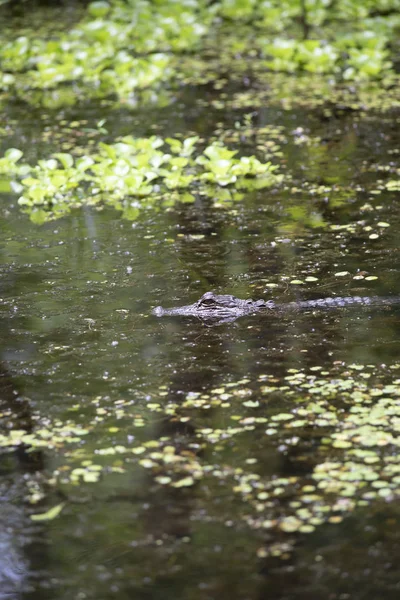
(76, 326)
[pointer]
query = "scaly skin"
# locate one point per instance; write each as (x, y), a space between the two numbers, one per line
(225, 308)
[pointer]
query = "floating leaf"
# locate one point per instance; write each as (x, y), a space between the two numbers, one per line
(50, 514)
(186, 482)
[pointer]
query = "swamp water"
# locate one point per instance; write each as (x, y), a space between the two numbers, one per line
(162, 458)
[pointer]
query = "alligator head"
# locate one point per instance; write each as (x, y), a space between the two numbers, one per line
(216, 308)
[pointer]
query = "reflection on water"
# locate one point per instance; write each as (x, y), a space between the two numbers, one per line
(17, 533)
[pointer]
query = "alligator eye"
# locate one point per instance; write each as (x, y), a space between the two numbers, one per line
(207, 302)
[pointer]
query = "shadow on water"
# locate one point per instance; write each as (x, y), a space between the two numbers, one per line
(22, 553)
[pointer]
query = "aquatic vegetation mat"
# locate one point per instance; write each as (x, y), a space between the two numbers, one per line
(118, 49)
(336, 431)
(136, 173)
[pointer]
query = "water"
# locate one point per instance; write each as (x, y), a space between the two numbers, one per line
(76, 325)
(79, 344)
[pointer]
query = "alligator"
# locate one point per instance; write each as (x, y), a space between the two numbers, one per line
(214, 308)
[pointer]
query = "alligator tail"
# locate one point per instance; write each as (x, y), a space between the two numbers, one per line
(340, 302)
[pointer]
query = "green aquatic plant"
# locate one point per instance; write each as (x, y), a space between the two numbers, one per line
(349, 40)
(10, 165)
(11, 169)
(135, 173)
(55, 183)
(349, 414)
(119, 49)
(351, 56)
(223, 168)
(310, 55)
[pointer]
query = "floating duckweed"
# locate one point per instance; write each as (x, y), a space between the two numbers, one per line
(218, 391)
(146, 463)
(307, 528)
(163, 479)
(352, 423)
(341, 444)
(186, 482)
(282, 417)
(335, 519)
(139, 450)
(263, 496)
(290, 524)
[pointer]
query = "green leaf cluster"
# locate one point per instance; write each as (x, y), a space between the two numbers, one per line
(221, 167)
(352, 56)
(9, 163)
(134, 173)
(278, 14)
(120, 47)
(359, 50)
(309, 55)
